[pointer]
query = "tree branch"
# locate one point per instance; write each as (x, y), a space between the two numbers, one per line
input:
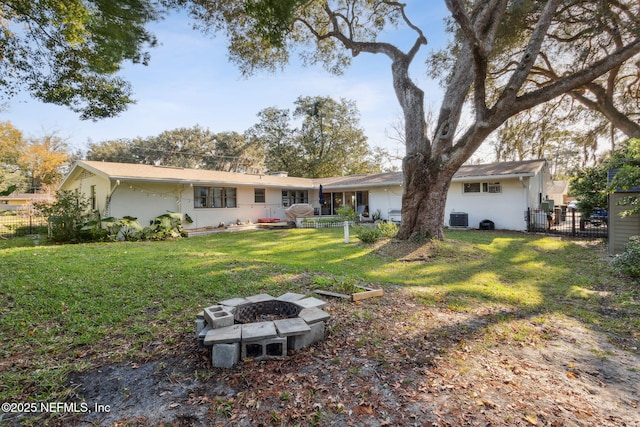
(530, 54)
(575, 80)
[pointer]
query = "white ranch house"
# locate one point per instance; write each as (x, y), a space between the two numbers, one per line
(499, 192)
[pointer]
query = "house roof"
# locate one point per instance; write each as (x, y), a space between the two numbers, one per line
(28, 197)
(558, 187)
(465, 173)
(148, 173)
(500, 169)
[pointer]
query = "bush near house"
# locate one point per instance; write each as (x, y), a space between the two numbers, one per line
(628, 262)
(387, 230)
(70, 221)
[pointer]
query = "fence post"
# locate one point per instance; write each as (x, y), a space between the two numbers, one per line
(346, 231)
(573, 222)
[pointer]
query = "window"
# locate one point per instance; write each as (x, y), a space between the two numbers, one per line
(492, 187)
(214, 197)
(291, 197)
(482, 187)
(259, 195)
(471, 187)
(93, 197)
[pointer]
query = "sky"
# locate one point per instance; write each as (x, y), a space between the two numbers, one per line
(190, 82)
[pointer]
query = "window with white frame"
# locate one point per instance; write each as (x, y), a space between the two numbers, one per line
(481, 187)
(291, 197)
(491, 187)
(471, 187)
(214, 197)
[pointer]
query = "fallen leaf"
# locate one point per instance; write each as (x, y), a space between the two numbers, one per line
(364, 410)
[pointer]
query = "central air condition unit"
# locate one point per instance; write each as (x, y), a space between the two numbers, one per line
(459, 219)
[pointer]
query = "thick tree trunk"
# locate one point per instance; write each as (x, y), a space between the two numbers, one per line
(423, 201)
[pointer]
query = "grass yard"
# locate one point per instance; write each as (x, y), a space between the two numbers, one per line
(67, 309)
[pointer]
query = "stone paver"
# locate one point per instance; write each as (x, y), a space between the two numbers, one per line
(234, 302)
(313, 315)
(227, 334)
(311, 302)
(290, 297)
(258, 331)
(294, 326)
(260, 297)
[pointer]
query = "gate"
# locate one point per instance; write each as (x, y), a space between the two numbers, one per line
(568, 222)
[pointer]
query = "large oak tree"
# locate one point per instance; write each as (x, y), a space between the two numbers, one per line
(263, 33)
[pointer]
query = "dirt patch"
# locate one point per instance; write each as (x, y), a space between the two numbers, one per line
(387, 361)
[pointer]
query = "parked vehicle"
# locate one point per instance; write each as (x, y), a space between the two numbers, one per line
(597, 217)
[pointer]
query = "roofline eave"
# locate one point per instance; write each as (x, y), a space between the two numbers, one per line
(207, 182)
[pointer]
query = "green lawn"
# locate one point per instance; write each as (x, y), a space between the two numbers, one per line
(64, 308)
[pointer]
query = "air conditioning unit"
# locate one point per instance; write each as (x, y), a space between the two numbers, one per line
(459, 219)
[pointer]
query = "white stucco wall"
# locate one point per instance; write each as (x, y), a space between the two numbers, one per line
(84, 183)
(385, 199)
(506, 209)
(144, 201)
(247, 209)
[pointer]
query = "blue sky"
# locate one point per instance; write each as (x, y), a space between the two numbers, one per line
(190, 82)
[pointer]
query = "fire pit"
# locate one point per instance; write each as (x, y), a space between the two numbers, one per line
(260, 326)
(263, 311)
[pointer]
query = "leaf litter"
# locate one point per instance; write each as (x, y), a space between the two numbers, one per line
(389, 361)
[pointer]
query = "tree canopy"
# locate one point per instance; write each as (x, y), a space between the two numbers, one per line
(183, 147)
(67, 52)
(591, 185)
(11, 145)
(328, 142)
(30, 164)
(332, 32)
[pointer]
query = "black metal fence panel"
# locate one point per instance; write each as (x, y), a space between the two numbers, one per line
(568, 222)
(22, 225)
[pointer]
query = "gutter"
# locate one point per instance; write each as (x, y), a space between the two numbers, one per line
(471, 178)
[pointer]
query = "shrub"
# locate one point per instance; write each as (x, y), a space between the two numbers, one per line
(628, 262)
(346, 213)
(66, 216)
(167, 226)
(388, 229)
(367, 234)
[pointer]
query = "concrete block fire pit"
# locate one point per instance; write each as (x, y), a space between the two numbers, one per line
(260, 326)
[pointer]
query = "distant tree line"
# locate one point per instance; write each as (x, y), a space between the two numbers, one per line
(327, 141)
(30, 164)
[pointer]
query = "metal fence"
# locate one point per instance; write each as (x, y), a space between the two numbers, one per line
(22, 225)
(568, 222)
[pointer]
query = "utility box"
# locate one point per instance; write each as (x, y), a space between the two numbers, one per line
(547, 205)
(459, 219)
(487, 224)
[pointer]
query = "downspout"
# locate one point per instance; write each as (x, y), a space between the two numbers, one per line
(525, 202)
(108, 202)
